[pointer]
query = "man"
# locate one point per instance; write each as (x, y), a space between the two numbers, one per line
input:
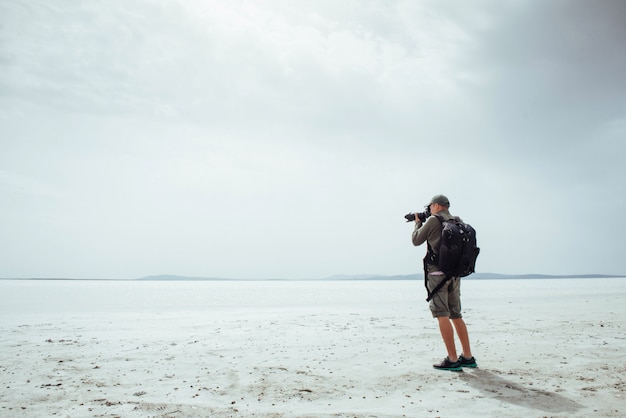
(445, 305)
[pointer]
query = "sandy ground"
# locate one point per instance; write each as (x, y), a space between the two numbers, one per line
(550, 348)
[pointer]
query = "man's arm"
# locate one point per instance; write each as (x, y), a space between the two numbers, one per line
(421, 231)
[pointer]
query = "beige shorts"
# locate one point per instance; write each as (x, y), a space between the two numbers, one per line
(447, 301)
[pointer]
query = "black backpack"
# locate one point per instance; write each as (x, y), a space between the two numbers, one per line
(458, 250)
(457, 253)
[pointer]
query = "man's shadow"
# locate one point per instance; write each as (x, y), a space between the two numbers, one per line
(504, 390)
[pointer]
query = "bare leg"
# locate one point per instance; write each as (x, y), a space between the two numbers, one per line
(461, 331)
(447, 333)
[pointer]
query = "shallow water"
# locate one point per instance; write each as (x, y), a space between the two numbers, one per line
(65, 296)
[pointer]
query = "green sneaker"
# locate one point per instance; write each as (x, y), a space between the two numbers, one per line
(446, 364)
(467, 362)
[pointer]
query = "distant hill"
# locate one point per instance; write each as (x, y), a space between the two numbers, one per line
(487, 276)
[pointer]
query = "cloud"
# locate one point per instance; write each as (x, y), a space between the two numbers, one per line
(281, 139)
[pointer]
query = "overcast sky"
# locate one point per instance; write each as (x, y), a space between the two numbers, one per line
(287, 139)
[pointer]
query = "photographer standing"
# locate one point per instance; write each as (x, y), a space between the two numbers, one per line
(445, 304)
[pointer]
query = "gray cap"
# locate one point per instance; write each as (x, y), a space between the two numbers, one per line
(440, 199)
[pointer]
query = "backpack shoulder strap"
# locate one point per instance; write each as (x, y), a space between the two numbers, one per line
(441, 220)
(430, 255)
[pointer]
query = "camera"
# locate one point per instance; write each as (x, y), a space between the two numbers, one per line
(422, 216)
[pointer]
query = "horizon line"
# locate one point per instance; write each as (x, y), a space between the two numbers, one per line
(338, 277)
